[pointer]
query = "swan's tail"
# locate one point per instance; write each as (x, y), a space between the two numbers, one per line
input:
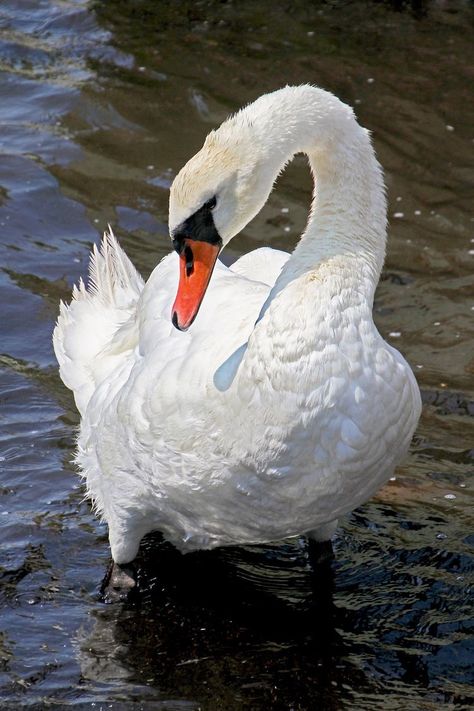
(97, 328)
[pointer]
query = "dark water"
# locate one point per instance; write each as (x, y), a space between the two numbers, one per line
(100, 104)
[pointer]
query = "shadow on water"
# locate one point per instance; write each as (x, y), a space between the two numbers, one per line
(228, 628)
(261, 627)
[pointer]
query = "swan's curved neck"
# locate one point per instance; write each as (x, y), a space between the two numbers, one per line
(347, 221)
(339, 257)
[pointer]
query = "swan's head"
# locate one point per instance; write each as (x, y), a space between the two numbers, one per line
(212, 199)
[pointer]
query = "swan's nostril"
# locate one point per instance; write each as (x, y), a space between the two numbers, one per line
(189, 257)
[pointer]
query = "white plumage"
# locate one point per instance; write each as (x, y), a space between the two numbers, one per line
(281, 408)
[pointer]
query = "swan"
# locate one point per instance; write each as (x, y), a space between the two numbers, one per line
(246, 404)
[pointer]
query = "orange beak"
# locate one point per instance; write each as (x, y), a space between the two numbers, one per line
(196, 263)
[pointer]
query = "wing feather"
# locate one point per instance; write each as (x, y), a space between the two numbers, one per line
(98, 328)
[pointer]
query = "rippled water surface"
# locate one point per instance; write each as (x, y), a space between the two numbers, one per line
(100, 105)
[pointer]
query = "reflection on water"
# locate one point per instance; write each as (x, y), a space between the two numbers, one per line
(220, 626)
(101, 103)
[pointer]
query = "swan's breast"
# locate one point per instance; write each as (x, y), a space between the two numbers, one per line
(338, 402)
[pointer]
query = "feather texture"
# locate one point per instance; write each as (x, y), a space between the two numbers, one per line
(99, 324)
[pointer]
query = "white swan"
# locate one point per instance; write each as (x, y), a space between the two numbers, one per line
(282, 408)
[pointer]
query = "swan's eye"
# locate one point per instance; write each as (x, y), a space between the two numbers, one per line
(210, 204)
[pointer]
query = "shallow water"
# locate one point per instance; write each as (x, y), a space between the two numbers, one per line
(100, 106)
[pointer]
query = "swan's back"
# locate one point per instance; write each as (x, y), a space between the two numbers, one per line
(263, 264)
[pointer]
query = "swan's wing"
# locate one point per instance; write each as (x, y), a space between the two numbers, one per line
(264, 264)
(225, 320)
(119, 324)
(98, 328)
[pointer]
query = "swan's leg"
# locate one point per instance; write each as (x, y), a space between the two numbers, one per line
(121, 578)
(319, 543)
(324, 532)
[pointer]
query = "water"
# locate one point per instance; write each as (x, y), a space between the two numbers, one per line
(100, 106)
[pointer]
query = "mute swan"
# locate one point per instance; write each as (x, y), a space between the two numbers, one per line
(281, 408)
